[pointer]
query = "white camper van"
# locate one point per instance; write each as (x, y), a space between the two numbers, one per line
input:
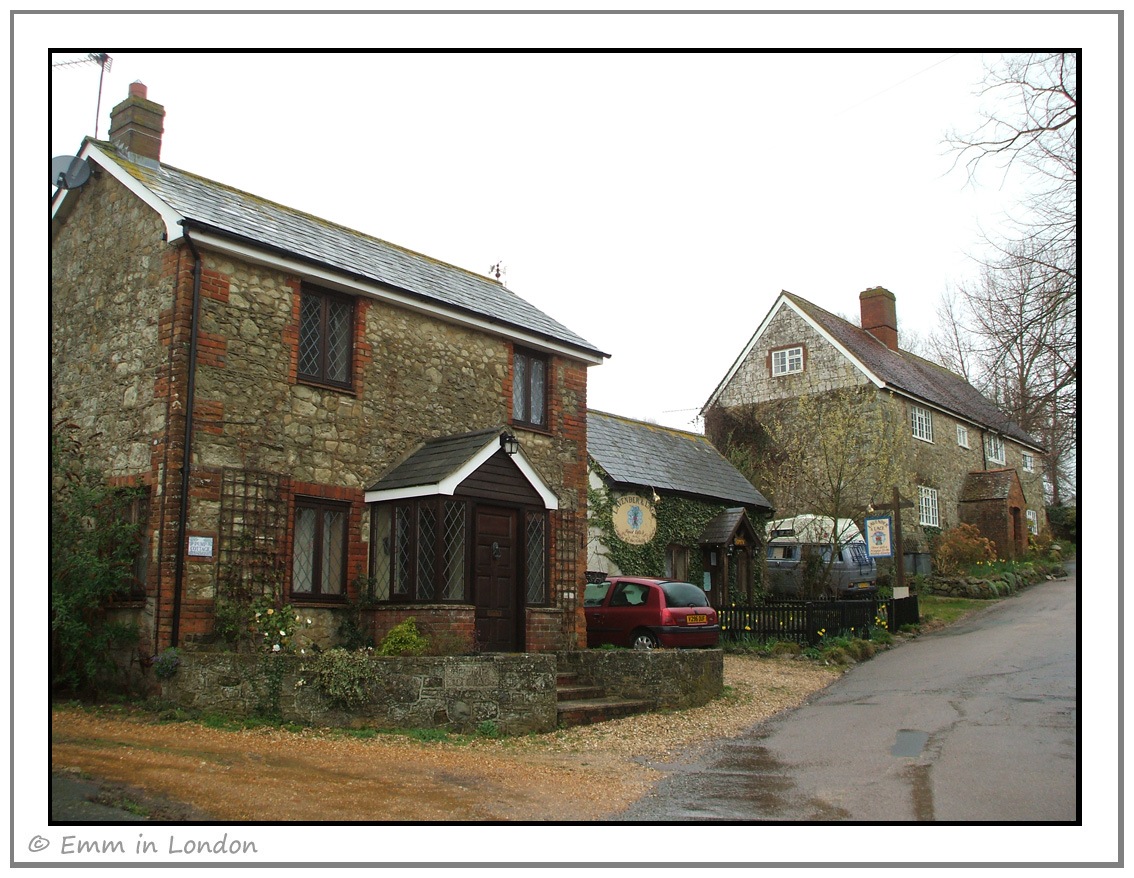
(812, 539)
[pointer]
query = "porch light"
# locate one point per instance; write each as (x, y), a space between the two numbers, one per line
(509, 443)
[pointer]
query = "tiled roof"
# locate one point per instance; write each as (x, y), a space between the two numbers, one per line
(724, 526)
(988, 485)
(231, 212)
(913, 375)
(648, 455)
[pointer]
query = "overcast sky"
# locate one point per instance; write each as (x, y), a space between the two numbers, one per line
(656, 204)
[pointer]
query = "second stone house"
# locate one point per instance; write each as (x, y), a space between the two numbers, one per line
(971, 463)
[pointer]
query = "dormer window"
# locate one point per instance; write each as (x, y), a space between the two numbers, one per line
(787, 361)
(994, 448)
(529, 389)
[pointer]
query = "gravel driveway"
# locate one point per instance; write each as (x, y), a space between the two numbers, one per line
(164, 771)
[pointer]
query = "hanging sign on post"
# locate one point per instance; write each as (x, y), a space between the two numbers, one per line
(879, 536)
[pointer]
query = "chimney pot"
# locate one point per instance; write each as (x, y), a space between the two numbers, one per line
(137, 89)
(879, 315)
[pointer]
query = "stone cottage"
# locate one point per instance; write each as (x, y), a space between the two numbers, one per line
(668, 504)
(351, 425)
(957, 437)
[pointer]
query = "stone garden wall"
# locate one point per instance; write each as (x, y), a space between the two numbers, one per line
(671, 678)
(515, 692)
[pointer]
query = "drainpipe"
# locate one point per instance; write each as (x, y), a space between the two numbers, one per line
(187, 448)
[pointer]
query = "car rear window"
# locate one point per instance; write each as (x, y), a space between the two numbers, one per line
(684, 594)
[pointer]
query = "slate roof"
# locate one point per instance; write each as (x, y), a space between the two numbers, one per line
(233, 213)
(913, 375)
(648, 455)
(435, 460)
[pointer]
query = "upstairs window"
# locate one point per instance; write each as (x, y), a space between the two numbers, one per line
(787, 361)
(922, 422)
(962, 436)
(994, 448)
(529, 389)
(1029, 463)
(326, 333)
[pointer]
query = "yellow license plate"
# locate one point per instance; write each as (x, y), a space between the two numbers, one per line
(696, 620)
(864, 585)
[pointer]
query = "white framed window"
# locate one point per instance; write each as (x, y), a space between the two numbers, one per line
(1033, 522)
(786, 361)
(994, 448)
(962, 436)
(1029, 463)
(922, 422)
(927, 506)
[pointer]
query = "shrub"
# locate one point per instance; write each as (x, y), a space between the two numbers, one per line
(94, 544)
(342, 675)
(166, 664)
(960, 548)
(403, 639)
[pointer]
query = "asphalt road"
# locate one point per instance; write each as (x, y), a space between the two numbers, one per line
(974, 723)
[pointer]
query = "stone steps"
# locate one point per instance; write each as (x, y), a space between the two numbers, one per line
(579, 705)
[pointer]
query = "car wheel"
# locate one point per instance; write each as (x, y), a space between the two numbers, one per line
(643, 639)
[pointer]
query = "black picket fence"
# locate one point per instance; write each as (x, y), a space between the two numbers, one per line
(810, 621)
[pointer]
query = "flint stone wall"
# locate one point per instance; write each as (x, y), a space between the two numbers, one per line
(454, 693)
(671, 678)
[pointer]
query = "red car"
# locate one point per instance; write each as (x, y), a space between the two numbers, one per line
(645, 613)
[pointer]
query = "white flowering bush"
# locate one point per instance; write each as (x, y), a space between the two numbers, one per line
(274, 628)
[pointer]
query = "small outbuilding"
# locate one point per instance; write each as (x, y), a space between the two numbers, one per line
(665, 502)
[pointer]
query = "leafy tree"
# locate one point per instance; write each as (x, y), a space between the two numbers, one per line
(94, 545)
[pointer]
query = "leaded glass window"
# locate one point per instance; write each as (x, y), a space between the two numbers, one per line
(536, 557)
(326, 328)
(319, 546)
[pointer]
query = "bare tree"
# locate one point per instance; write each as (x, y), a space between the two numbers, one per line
(831, 453)
(1013, 330)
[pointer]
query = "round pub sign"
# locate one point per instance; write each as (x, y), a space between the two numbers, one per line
(634, 520)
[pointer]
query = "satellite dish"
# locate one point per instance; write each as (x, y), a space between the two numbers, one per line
(69, 172)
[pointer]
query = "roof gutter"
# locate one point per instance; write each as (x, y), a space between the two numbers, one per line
(187, 444)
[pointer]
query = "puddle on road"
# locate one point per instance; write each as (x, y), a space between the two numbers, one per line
(909, 742)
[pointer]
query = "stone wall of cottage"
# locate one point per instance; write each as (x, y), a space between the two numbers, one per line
(113, 281)
(415, 377)
(109, 287)
(825, 368)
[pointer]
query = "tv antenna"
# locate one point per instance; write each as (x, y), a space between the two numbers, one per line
(105, 62)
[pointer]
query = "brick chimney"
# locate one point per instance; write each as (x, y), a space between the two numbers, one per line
(136, 124)
(880, 315)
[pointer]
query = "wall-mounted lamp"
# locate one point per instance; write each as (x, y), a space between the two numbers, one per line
(509, 443)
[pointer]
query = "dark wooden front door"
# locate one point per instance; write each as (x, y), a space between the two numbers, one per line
(494, 580)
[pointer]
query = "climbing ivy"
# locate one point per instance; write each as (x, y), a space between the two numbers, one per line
(680, 522)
